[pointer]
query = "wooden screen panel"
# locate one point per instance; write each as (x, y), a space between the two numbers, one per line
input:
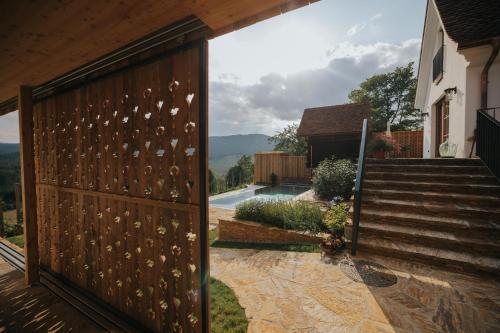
(118, 176)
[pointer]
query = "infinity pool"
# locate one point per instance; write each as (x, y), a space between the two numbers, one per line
(282, 192)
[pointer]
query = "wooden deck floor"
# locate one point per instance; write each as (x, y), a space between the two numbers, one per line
(36, 309)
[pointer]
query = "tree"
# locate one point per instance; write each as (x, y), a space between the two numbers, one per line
(241, 173)
(212, 182)
(391, 96)
(246, 164)
(234, 176)
(288, 141)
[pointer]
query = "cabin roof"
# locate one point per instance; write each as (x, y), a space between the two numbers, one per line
(334, 119)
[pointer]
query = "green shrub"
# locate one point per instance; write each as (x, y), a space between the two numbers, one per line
(334, 178)
(383, 142)
(269, 212)
(303, 216)
(296, 215)
(336, 218)
(13, 229)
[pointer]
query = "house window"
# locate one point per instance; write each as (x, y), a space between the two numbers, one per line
(438, 61)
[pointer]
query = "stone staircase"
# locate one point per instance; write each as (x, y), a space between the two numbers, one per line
(443, 212)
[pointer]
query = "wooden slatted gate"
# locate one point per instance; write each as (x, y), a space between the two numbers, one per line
(121, 178)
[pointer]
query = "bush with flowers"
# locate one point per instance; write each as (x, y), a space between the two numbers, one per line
(383, 143)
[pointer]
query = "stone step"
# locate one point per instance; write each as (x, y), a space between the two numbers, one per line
(453, 210)
(485, 201)
(429, 168)
(453, 260)
(474, 189)
(441, 240)
(457, 226)
(432, 177)
(427, 161)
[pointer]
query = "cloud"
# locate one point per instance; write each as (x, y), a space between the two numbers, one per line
(355, 29)
(277, 99)
(358, 27)
(9, 128)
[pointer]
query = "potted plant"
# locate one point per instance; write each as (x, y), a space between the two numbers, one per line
(274, 179)
(381, 144)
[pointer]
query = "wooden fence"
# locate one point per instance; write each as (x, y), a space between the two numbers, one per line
(411, 142)
(284, 166)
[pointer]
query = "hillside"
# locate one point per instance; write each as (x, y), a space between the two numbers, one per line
(224, 151)
(7, 148)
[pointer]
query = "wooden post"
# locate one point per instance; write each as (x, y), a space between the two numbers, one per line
(27, 155)
(17, 191)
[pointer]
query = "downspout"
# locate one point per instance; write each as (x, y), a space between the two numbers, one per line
(495, 44)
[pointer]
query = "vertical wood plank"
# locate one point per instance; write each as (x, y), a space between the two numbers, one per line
(27, 156)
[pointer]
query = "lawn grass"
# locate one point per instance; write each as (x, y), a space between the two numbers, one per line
(18, 240)
(212, 236)
(226, 313)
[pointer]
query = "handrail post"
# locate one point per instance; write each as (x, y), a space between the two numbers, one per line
(358, 187)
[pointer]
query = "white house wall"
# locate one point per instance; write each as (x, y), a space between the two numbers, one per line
(462, 69)
(454, 74)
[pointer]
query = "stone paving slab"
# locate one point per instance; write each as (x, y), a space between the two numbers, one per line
(301, 292)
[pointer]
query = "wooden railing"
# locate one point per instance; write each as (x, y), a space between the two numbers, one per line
(358, 188)
(488, 139)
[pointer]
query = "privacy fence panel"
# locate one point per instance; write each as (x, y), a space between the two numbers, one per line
(285, 167)
(120, 178)
(412, 144)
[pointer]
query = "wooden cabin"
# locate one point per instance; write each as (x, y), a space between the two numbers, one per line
(333, 130)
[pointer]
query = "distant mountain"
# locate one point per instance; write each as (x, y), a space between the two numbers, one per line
(7, 148)
(224, 151)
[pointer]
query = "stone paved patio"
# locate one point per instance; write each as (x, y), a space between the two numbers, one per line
(300, 292)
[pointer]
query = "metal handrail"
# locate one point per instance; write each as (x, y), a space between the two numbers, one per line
(358, 187)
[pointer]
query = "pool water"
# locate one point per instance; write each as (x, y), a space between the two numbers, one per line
(281, 192)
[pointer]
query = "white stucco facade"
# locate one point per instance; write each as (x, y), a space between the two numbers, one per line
(462, 69)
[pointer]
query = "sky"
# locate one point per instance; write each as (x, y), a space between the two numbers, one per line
(263, 76)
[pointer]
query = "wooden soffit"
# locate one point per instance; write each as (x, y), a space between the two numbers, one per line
(42, 40)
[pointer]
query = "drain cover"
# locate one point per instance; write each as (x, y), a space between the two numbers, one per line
(369, 273)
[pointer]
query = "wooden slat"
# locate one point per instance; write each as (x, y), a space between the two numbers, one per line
(286, 167)
(412, 140)
(28, 181)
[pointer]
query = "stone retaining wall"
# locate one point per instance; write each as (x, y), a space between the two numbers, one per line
(253, 232)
